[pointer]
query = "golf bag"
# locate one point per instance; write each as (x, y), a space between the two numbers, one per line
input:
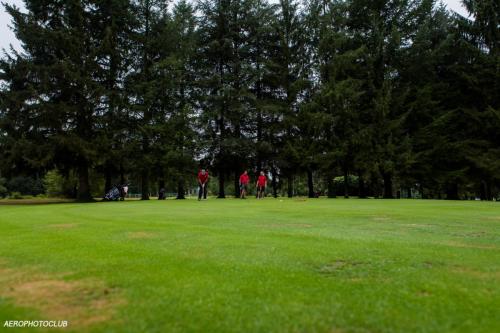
(162, 195)
(115, 194)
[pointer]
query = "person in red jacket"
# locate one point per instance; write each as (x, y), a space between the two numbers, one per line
(202, 183)
(244, 180)
(261, 185)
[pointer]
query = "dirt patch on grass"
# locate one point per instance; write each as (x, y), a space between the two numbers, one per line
(416, 225)
(63, 226)
(472, 246)
(339, 265)
(288, 225)
(381, 218)
(141, 235)
(432, 264)
(428, 264)
(475, 273)
(424, 293)
(478, 234)
(336, 330)
(82, 302)
(295, 225)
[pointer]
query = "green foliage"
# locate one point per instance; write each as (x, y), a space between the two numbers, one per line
(60, 186)
(25, 185)
(16, 195)
(3, 189)
(54, 183)
(399, 93)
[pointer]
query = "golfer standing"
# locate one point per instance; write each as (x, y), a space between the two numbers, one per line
(202, 182)
(244, 180)
(261, 185)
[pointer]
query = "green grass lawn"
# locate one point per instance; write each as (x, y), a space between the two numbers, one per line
(289, 265)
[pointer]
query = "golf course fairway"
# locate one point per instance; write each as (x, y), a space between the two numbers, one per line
(272, 265)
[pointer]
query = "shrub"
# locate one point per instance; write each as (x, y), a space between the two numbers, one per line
(25, 185)
(53, 182)
(58, 185)
(3, 190)
(16, 195)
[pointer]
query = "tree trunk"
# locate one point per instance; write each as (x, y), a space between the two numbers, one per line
(346, 183)
(486, 192)
(222, 193)
(452, 191)
(259, 153)
(375, 185)
(236, 184)
(489, 192)
(331, 187)
(423, 192)
(181, 193)
(274, 183)
(83, 193)
(147, 115)
(310, 184)
(290, 186)
(107, 180)
(145, 185)
(122, 174)
(388, 186)
(483, 191)
(362, 187)
(161, 189)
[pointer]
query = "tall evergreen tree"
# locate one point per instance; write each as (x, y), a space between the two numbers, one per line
(176, 144)
(288, 76)
(59, 55)
(142, 85)
(112, 23)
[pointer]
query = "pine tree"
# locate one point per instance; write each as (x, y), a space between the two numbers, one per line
(59, 56)
(228, 78)
(288, 77)
(142, 85)
(176, 144)
(112, 23)
(336, 104)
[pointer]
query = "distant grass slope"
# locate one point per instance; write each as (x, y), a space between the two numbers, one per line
(253, 266)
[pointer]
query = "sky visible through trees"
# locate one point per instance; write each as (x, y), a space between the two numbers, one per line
(9, 38)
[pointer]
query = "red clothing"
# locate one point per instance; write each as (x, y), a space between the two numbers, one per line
(202, 178)
(262, 180)
(244, 179)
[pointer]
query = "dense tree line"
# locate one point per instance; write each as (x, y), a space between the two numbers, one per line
(390, 95)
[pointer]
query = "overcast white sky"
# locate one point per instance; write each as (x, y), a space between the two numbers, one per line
(8, 38)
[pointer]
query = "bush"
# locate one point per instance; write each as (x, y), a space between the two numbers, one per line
(338, 182)
(58, 185)
(25, 185)
(53, 182)
(16, 195)
(3, 190)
